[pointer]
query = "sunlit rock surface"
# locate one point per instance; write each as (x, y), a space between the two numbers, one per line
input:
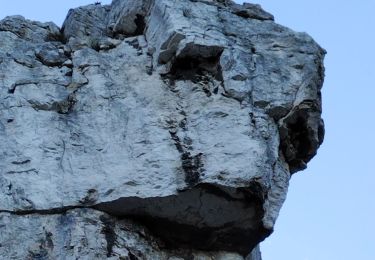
(152, 130)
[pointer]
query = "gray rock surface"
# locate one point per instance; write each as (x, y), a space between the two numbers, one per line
(152, 130)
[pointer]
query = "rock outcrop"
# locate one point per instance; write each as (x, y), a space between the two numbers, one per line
(152, 130)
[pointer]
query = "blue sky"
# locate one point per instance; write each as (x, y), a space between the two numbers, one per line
(330, 210)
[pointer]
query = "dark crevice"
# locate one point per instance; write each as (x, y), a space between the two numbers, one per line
(69, 73)
(141, 25)
(254, 192)
(177, 142)
(132, 256)
(109, 233)
(12, 89)
(21, 162)
(121, 34)
(321, 132)
(176, 235)
(68, 54)
(296, 146)
(95, 45)
(53, 211)
(195, 69)
(301, 134)
(299, 137)
(192, 166)
(55, 37)
(205, 72)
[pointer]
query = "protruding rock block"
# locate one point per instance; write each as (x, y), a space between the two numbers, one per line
(187, 117)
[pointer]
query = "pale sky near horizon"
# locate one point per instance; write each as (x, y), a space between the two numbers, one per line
(330, 210)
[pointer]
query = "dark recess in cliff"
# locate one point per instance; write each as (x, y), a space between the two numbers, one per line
(197, 69)
(181, 233)
(301, 134)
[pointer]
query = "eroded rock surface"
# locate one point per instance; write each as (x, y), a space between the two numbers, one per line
(152, 130)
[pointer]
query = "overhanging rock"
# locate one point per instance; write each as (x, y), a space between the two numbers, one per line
(152, 129)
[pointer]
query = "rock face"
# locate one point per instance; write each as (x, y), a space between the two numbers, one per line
(152, 130)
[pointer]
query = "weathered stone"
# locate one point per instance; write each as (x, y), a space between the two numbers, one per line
(31, 31)
(252, 11)
(185, 116)
(50, 54)
(87, 234)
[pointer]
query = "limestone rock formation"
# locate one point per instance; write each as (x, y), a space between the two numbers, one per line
(152, 130)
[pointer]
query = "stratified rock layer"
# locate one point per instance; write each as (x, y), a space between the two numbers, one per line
(152, 130)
